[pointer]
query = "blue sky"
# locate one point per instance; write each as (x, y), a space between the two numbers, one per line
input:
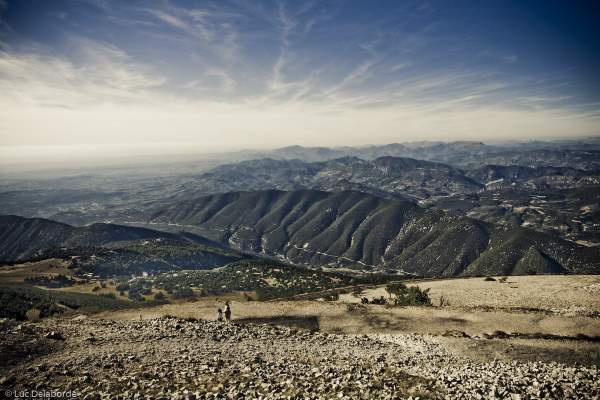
(196, 74)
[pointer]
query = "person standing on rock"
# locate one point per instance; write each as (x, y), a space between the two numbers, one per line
(220, 315)
(227, 311)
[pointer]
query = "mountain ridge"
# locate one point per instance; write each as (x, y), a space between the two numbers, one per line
(351, 228)
(399, 177)
(24, 238)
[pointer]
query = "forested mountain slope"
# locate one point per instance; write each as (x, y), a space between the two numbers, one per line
(357, 229)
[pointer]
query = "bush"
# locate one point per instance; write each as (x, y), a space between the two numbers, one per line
(332, 296)
(395, 288)
(108, 295)
(184, 293)
(408, 296)
(123, 287)
(33, 315)
(135, 296)
(159, 296)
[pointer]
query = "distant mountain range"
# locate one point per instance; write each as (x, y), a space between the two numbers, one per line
(580, 154)
(365, 231)
(548, 186)
(392, 177)
(385, 176)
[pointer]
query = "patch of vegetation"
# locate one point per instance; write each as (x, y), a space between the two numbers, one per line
(141, 287)
(57, 281)
(269, 279)
(408, 296)
(185, 292)
(159, 296)
(151, 256)
(17, 300)
(331, 296)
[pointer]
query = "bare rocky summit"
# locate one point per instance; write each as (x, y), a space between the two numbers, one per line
(176, 358)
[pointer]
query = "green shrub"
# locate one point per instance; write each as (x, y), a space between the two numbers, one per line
(408, 296)
(17, 300)
(135, 296)
(395, 288)
(123, 287)
(184, 293)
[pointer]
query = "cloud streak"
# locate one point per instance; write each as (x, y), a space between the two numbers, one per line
(255, 76)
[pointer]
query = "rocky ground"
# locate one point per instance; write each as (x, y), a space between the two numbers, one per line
(176, 358)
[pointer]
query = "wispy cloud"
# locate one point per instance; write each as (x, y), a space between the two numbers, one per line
(213, 30)
(213, 78)
(253, 73)
(287, 26)
(104, 73)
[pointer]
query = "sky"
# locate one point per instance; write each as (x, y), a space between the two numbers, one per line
(92, 77)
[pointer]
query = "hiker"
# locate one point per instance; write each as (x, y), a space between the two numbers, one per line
(227, 311)
(220, 315)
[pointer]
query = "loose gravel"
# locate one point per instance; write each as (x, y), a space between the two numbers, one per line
(172, 358)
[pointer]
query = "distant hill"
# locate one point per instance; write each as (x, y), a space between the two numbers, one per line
(108, 249)
(385, 176)
(534, 177)
(23, 237)
(364, 231)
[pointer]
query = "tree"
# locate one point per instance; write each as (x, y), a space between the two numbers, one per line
(396, 288)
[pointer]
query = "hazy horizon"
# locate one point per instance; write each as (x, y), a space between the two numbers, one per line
(114, 154)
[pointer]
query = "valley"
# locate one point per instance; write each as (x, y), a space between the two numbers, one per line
(546, 186)
(430, 270)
